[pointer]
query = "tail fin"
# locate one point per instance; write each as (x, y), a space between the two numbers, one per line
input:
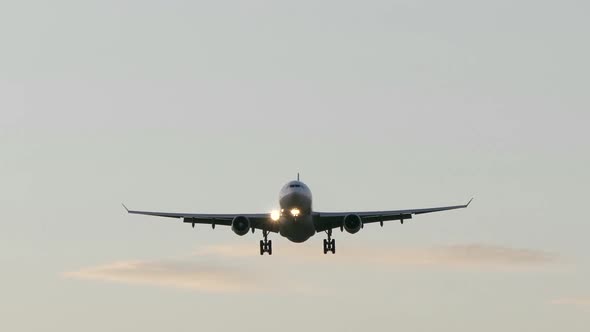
(297, 176)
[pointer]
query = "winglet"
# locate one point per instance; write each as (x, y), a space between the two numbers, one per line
(125, 207)
(466, 205)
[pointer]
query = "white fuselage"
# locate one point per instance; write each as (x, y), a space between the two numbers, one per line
(296, 221)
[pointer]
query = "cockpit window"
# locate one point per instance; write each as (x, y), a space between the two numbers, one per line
(295, 186)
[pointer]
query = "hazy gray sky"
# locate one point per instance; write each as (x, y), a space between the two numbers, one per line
(211, 106)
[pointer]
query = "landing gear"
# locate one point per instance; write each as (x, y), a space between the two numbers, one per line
(266, 244)
(329, 244)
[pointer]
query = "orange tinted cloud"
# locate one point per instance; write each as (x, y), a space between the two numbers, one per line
(582, 302)
(171, 273)
(472, 256)
(227, 276)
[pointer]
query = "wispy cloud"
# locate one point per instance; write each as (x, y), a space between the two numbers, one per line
(171, 273)
(235, 268)
(468, 256)
(473, 256)
(582, 302)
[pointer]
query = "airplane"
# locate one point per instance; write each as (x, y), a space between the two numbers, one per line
(296, 220)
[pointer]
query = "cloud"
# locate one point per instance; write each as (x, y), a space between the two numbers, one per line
(474, 256)
(580, 302)
(471, 256)
(235, 269)
(172, 273)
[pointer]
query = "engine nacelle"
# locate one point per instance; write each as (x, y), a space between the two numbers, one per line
(240, 225)
(352, 223)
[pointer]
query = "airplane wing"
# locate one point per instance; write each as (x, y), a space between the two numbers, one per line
(329, 220)
(258, 220)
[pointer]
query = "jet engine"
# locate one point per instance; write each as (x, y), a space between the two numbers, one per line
(352, 223)
(240, 225)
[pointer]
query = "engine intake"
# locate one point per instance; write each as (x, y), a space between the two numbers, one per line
(240, 225)
(352, 223)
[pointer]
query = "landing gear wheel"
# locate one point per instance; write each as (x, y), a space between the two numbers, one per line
(265, 245)
(329, 243)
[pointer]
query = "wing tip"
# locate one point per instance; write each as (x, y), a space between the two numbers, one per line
(126, 209)
(466, 205)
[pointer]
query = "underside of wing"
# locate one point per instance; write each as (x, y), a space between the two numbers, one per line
(261, 221)
(328, 220)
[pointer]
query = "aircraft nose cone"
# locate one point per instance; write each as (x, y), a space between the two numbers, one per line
(296, 200)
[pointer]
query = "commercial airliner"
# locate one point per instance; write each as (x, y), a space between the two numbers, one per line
(296, 219)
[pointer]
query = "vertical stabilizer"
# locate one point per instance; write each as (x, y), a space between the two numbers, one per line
(297, 176)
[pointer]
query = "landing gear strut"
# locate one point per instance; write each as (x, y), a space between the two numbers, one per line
(329, 244)
(266, 245)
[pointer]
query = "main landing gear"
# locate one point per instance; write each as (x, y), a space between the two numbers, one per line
(329, 244)
(266, 245)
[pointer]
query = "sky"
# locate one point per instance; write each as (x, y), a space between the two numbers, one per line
(211, 106)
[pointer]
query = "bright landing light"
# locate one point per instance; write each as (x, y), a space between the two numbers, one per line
(295, 212)
(275, 215)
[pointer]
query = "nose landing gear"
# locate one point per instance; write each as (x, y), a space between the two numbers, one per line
(266, 244)
(329, 244)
